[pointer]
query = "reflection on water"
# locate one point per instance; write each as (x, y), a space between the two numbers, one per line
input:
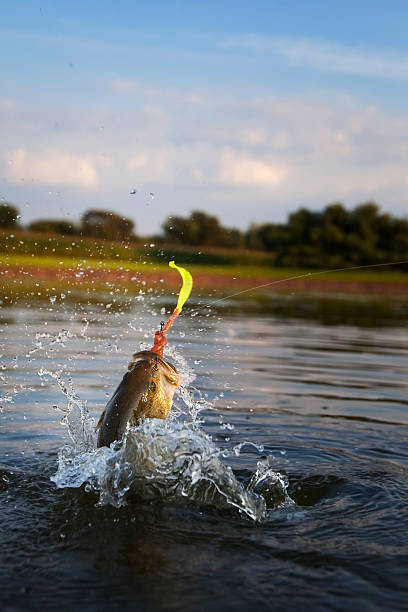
(310, 392)
(360, 311)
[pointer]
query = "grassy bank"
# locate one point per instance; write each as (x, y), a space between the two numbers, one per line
(38, 245)
(37, 266)
(229, 273)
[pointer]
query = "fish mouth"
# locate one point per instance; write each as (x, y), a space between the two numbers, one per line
(156, 362)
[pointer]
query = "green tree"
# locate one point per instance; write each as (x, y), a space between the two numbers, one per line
(399, 241)
(53, 226)
(106, 224)
(200, 229)
(304, 237)
(302, 225)
(266, 237)
(339, 237)
(335, 226)
(8, 215)
(253, 239)
(362, 242)
(180, 229)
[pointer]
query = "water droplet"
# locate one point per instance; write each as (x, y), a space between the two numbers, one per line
(132, 191)
(151, 194)
(182, 334)
(53, 298)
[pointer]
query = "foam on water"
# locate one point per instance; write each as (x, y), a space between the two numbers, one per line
(173, 461)
(168, 461)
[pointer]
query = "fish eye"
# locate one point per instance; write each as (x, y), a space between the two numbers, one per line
(153, 386)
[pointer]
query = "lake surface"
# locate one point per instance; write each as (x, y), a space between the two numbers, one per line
(281, 481)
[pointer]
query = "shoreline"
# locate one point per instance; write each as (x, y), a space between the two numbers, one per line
(216, 280)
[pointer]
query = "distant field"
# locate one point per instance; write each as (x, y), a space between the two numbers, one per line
(382, 274)
(38, 266)
(30, 244)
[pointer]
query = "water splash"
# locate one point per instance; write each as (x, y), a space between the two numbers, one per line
(80, 425)
(46, 341)
(173, 461)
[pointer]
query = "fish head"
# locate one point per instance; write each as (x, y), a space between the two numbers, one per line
(157, 400)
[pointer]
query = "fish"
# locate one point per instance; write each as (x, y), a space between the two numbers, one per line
(147, 388)
(145, 391)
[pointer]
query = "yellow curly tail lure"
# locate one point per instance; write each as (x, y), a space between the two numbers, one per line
(159, 337)
(186, 286)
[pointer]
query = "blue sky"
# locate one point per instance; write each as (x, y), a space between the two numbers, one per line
(244, 109)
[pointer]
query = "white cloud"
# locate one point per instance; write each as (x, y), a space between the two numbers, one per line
(155, 163)
(325, 57)
(241, 159)
(198, 174)
(123, 85)
(51, 167)
(240, 168)
(139, 162)
(7, 105)
(252, 136)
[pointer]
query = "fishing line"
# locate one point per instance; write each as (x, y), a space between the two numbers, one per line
(307, 274)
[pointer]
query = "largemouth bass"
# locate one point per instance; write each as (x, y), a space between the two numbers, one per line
(146, 391)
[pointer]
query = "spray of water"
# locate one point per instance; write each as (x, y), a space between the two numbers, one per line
(171, 461)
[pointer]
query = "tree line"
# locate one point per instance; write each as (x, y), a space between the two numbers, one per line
(103, 224)
(333, 237)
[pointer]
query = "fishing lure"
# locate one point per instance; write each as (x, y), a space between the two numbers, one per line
(160, 339)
